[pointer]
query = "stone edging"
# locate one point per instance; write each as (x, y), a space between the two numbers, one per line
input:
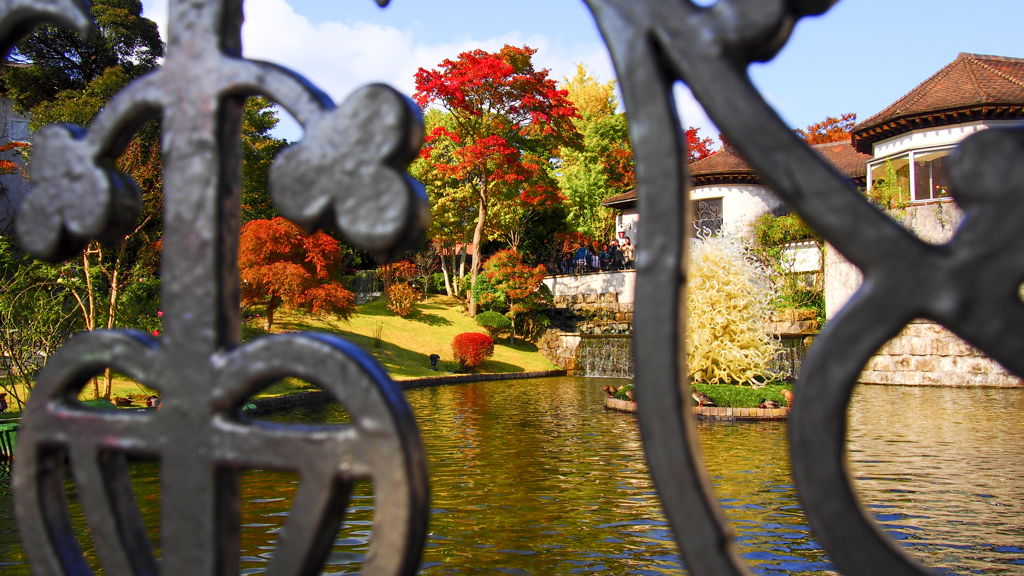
(319, 396)
(713, 413)
(740, 414)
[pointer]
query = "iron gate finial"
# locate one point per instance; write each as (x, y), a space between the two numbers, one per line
(350, 167)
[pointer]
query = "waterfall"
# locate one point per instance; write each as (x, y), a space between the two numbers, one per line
(605, 357)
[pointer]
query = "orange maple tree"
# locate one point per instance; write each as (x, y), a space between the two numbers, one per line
(829, 130)
(280, 265)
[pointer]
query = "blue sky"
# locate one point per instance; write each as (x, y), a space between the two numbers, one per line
(859, 57)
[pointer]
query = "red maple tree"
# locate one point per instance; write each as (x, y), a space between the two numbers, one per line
(697, 148)
(508, 118)
(281, 265)
(829, 130)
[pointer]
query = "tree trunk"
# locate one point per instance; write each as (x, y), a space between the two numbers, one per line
(444, 271)
(108, 378)
(272, 305)
(478, 233)
(462, 262)
(90, 314)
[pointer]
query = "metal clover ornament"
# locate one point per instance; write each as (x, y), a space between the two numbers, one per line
(351, 166)
(74, 199)
(357, 175)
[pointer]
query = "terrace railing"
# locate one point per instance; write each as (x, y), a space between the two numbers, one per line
(351, 168)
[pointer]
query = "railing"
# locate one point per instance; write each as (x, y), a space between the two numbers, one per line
(351, 168)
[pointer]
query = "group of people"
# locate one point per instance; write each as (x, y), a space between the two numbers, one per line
(615, 255)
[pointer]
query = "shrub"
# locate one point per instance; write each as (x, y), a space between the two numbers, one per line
(534, 325)
(435, 285)
(493, 322)
(401, 297)
(732, 396)
(472, 348)
(486, 296)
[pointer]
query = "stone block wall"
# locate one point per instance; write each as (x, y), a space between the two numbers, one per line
(926, 354)
(560, 348)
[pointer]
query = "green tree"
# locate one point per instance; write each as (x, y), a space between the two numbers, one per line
(603, 166)
(259, 149)
(36, 316)
(58, 60)
(453, 201)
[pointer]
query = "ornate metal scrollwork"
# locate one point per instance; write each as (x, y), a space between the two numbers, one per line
(352, 167)
(969, 285)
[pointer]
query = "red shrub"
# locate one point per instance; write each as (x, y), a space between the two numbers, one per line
(472, 348)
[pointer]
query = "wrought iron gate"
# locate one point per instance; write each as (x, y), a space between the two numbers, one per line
(350, 167)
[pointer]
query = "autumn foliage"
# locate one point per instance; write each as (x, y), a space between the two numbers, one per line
(506, 121)
(282, 266)
(401, 297)
(829, 130)
(697, 148)
(472, 348)
(519, 283)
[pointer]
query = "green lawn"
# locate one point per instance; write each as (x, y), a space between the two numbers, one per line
(405, 347)
(407, 343)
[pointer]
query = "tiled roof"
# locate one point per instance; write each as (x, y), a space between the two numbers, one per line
(852, 164)
(973, 87)
(626, 197)
(726, 166)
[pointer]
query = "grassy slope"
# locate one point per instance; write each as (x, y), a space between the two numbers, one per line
(407, 343)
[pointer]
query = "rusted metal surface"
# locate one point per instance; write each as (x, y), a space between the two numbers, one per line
(351, 169)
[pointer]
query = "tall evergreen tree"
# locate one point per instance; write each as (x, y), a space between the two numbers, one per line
(56, 60)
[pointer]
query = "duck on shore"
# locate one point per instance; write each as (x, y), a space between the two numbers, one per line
(609, 390)
(768, 404)
(701, 398)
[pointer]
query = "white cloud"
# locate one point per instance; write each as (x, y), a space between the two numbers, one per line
(338, 58)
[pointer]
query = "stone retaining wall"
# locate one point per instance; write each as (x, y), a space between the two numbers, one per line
(926, 354)
(560, 348)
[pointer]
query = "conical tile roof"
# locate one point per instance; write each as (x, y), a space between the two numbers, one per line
(971, 88)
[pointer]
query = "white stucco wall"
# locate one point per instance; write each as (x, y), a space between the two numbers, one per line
(622, 283)
(741, 205)
(934, 222)
(931, 137)
(802, 257)
(627, 222)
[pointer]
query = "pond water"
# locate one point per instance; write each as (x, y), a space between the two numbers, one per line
(536, 477)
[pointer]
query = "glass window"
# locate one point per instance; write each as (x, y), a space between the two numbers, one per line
(707, 217)
(900, 167)
(931, 176)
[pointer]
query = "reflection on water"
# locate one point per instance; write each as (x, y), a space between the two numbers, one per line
(535, 477)
(943, 472)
